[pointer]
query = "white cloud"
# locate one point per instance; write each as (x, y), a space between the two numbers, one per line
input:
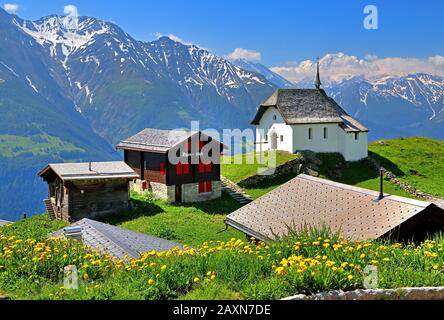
(339, 66)
(240, 53)
(11, 8)
(71, 10)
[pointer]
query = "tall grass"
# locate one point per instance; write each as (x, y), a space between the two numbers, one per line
(307, 262)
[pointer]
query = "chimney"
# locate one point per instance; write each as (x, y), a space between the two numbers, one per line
(381, 183)
(74, 232)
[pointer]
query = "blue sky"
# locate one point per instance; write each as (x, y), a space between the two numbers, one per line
(283, 32)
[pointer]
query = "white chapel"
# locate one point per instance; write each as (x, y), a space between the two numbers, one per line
(294, 120)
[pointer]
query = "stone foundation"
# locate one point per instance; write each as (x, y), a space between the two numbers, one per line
(424, 293)
(190, 192)
(137, 187)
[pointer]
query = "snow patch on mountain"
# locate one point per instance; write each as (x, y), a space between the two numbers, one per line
(31, 84)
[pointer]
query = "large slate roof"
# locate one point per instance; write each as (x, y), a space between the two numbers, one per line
(99, 170)
(157, 140)
(313, 202)
(118, 242)
(299, 106)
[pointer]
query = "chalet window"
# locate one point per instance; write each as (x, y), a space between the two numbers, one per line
(179, 170)
(205, 187)
(266, 138)
(274, 117)
(162, 168)
(205, 167)
(282, 138)
(325, 133)
(182, 169)
(356, 136)
(310, 133)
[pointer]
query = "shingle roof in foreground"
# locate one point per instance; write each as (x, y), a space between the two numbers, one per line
(99, 170)
(118, 242)
(299, 106)
(312, 202)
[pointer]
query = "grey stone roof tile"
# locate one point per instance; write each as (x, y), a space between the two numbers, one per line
(299, 106)
(117, 241)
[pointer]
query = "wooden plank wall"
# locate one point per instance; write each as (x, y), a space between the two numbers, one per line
(99, 198)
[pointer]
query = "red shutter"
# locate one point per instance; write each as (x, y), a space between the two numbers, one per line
(162, 168)
(179, 169)
(208, 168)
(186, 168)
(201, 167)
(209, 186)
(201, 187)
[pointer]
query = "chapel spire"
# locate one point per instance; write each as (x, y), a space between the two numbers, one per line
(318, 82)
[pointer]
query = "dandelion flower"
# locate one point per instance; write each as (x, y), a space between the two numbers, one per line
(151, 282)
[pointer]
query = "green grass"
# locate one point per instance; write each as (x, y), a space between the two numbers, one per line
(240, 167)
(360, 174)
(37, 145)
(37, 227)
(190, 224)
(417, 161)
(308, 262)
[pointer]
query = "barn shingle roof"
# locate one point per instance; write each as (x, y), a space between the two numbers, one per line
(313, 202)
(308, 106)
(157, 140)
(99, 170)
(118, 242)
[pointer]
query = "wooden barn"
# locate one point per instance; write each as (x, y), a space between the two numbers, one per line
(175, 165)
(356, 213)
(87, 190)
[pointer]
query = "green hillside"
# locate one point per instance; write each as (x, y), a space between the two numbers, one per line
(417, 161)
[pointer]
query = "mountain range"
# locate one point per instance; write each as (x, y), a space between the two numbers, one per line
(71, 92)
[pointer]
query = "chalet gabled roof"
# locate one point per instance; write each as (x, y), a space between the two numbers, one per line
(299, 106)
(90, 170)
(118, 242)
(156, 140)
(313, 202)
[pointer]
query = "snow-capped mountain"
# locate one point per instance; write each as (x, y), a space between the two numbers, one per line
(99, 66)
(271, 76)
(395, 106)
(79, 86)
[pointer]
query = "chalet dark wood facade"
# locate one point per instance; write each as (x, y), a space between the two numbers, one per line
(87, 190)
(191, 178)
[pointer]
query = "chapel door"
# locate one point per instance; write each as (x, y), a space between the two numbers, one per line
(274, 140)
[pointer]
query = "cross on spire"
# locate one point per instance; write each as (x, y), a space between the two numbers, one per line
(318, 82)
